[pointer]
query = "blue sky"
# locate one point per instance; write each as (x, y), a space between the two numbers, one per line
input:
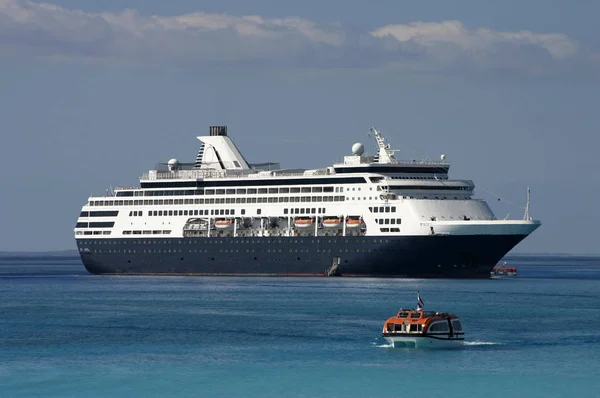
(93, 93)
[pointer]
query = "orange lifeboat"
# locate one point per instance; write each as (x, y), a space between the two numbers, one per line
(332, 222)
(418, 328)
(353, 222)
(303, 222)
(224, 223)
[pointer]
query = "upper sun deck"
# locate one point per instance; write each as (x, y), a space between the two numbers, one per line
(219, 158)
(201, 174)
(385, 161)
(354, 160)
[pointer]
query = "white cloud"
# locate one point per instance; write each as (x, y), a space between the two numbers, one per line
(41, 29)
(430, 35)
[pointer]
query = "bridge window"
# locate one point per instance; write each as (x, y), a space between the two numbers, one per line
(440, 326)
(457, 325)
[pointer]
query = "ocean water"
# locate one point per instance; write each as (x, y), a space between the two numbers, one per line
(65, 333)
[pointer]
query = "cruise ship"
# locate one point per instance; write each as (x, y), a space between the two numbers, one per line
(370, 215)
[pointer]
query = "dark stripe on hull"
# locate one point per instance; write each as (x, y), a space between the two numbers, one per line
(459, 336)
(402, 256)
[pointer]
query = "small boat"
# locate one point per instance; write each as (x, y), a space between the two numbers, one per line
(332, 222)
(503, 270)
(420, 329)
(224, 223)
(353, 222)
(303, 222)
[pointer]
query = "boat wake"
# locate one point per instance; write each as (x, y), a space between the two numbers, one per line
(477, 343)
(466, 344)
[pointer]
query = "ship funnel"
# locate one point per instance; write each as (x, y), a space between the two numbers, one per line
(218, 131)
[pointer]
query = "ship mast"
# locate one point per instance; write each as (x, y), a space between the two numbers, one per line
(385, 153)
(527, 216)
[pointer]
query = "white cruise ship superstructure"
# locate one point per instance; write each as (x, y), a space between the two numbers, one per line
(366, 216)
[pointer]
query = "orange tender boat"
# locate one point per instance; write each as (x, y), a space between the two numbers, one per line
(418, 328)
(503, 270)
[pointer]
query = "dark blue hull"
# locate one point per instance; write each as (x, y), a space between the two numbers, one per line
(402, 256)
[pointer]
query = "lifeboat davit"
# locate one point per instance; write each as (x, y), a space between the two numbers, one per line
(418, 328)
(353, 222)
(224, 224)
(303, 222)
(332, 222)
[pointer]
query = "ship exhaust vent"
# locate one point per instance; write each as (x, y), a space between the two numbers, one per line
(218, 131)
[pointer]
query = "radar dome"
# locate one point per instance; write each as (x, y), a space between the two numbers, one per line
(358, 149)
(173, 164)
(443, 156)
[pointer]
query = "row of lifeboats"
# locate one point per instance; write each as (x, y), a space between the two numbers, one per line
(333, 222)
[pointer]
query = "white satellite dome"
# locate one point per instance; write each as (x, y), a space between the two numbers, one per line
(358, 149)
(443, 156)
(173, 164)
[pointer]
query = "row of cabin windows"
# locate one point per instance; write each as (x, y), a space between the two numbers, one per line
(388, 221)
(136, 213)
(257, 250)
(231, 212)
(440, 177)
(206, 212)
(240, 240)
(100, 224)
(230, 191)
(257, 191)
(382, 209)
(320, 210)
(363, 198)
(100, 213)
(148, 232)
(201, 201)
(389, 229)
(92, 233)
(435, 197)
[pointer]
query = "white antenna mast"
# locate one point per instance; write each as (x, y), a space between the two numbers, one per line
(527, 216)
(386, 153)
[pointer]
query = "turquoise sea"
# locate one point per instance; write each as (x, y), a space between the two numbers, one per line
(65, 333)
